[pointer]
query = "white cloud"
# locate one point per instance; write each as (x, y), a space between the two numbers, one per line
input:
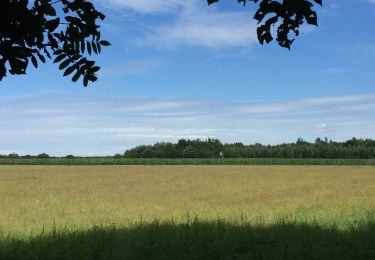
(86, 125)
(208, 29)
(137, 66)
(146, 6)
(188, 22)
(331, 71)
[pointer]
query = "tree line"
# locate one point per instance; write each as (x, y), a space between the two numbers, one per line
(47, 156)
(16, 155)
(211, 148)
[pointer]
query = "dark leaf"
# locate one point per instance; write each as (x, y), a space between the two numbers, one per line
(58, 52)
(64, 64)
(59, 58)
(320, 2)
(104, 43)
(83, 46)
(52, 41)
(312, 18)
(3, 70)
(34, 61)
(69, 70)
(85, 81)
(49, 10)
(94, 69)
(53, 24)
(18, 67)
(81, 61)
(212, 1)
(41, 57)
(76, 76)
(47, 53)
(94, 48)
(89, 48)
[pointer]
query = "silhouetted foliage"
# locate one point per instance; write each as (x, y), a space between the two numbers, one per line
(67, 31)
(286, 15)
(63, 30)
(323, 149)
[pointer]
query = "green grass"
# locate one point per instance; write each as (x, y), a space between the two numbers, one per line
(156, 161)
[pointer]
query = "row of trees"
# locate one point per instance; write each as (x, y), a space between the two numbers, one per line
(46, 156)
(15, 155)
(211, 148)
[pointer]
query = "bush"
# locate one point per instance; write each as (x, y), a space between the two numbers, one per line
(43, 156)
(13, 155)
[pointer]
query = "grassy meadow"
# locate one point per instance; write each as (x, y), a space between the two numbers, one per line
(187, 212)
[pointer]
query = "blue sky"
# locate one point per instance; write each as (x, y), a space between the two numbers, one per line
(180, 69)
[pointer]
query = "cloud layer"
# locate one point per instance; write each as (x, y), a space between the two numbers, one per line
(147, 6)
(82, 125)
(188, 23)
(212, 30)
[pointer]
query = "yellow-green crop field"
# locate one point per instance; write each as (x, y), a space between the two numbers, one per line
(38, 200)
(33, 197)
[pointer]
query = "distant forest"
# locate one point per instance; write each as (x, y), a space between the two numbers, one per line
(211, 148)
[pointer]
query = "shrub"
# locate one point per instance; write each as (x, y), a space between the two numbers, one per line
(13, 155)
(43, 156)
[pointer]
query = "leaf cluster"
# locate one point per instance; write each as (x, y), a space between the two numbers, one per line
(286, 15)
(65, 31)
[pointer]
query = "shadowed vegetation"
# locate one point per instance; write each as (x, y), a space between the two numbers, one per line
(198, 240)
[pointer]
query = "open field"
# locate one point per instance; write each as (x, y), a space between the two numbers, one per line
(189, 211)
(181, 161)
